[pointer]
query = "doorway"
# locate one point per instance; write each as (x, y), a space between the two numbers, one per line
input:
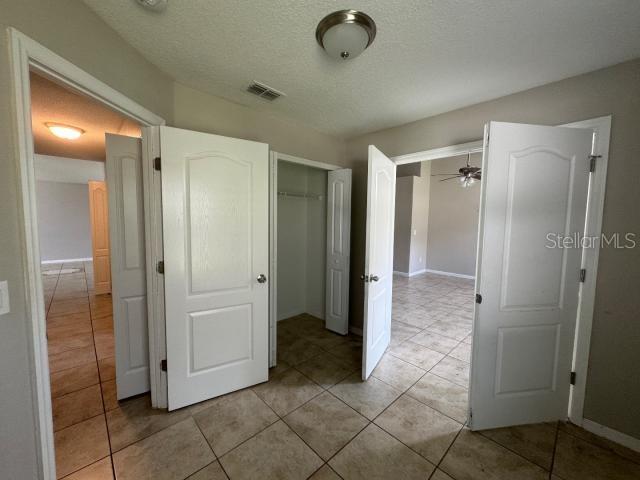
(32, 58)
(311, 216)
(436, 229)
(568, 159)
(89, 198)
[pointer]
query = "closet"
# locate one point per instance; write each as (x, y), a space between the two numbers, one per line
(310, 242)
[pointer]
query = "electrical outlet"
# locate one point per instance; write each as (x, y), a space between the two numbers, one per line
(4, 297)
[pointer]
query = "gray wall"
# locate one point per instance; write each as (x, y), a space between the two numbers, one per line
(402, 224)
(64, 227)
(453, 219)
(612, 385)
(411, 217)
(302, 227)
(420, 221)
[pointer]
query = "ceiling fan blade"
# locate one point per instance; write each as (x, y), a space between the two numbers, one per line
(443, 174)
(451, 178)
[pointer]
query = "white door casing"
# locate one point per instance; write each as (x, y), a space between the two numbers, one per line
(338, 250)
(128, 273)
(216, 243)
(378, 274)
(534, 183)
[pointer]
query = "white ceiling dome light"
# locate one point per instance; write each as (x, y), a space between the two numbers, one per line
(153, 5)
(346, 33)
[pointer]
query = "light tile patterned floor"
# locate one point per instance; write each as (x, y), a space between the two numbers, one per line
(82, 369)
(315, 418)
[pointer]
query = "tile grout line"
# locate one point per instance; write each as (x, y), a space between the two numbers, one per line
(94, 416)
(555, 447)
(95, 352)
(217, 459)
(429, 371)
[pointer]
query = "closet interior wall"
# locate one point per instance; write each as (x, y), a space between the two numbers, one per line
(302, 224)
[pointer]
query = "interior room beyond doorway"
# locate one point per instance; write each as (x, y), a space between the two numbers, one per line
(436, 228)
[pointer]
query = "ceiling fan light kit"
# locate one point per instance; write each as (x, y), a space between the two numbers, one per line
(466, 175)
(345, 34)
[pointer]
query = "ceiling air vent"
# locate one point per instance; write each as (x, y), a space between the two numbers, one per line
(264, 91)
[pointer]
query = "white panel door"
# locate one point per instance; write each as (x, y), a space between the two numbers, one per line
(534, 188)
(128, 274)
(215, 210)
(378, 274)
(99, 216)
(338, 250)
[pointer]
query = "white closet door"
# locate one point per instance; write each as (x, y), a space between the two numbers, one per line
(215, 206)
(378, 274)
(338, 250)
(128, 274)
(534, 186)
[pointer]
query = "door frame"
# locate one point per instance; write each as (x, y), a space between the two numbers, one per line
(601, 127)
(274, 158)
(27, 54)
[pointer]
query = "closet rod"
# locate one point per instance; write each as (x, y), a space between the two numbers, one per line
(299, 195)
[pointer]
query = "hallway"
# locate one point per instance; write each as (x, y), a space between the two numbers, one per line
(82, 368)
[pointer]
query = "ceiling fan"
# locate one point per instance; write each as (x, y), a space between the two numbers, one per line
(467, 175)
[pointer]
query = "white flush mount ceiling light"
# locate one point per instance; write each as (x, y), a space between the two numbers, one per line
(153, 5)
(346, 33)
(67, 132)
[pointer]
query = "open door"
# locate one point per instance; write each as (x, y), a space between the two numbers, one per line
(378, 274)
(534, 193)
(99, 216)
(338, 250)
(215, 213)
(126, 228)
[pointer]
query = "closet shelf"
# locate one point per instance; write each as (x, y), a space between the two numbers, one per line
(299, 195)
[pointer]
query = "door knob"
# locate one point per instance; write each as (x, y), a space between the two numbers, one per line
(262, 278)
(373, 278)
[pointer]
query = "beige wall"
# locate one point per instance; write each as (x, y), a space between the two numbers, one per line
(70, 29)
(199, 111)
(612, 387)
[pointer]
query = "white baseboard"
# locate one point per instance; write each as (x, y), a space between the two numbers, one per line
(412, 274)
(450, 274)
(67, 260)
(355, 330)
(291, 313)
(295, 313)
(611, 434)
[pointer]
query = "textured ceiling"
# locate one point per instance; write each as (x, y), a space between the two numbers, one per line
(428, 57)
(52, 103)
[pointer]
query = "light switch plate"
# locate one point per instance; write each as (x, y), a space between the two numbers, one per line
(4, 297)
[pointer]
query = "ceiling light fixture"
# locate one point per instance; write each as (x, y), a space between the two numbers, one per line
(64, 131)
(346, 33)
(467, 175)
(153, 5)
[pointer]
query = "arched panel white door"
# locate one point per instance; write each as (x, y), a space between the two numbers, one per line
(378, 274)
(215, 213)
(535, 181)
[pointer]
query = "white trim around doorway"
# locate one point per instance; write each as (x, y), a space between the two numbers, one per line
(26, 54)
(601, 127)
